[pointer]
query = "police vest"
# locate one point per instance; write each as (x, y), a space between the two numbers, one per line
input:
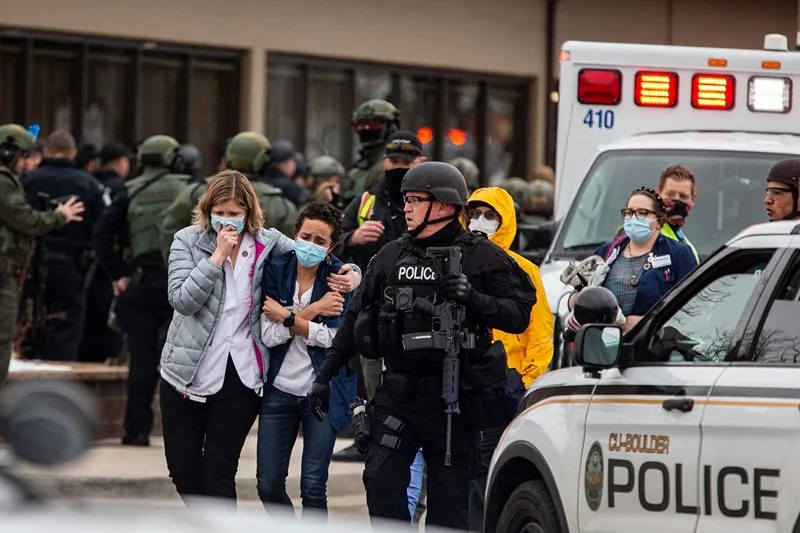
(14, 245)
(413, 275)
(362, 177)
(279, 212)
(150, 196)
(365, 208)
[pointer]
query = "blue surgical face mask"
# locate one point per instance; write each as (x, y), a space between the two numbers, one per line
(308, 253)
(638, 230)
(237, 223)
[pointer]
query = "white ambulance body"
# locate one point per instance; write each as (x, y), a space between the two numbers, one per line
(628, 111)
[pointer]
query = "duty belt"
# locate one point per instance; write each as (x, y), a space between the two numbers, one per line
(395, 381)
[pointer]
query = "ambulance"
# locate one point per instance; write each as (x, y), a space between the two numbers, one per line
(628, 111)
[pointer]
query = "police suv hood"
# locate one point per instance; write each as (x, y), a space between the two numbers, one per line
(556, 378)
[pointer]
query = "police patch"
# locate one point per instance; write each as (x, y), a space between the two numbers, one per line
(593, 482)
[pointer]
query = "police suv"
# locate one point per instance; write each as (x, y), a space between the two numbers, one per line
(690, 422)
(628, 111)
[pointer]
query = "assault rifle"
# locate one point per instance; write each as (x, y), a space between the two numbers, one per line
(447, 334)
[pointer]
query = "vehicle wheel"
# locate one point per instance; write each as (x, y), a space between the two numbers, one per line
(530, 509)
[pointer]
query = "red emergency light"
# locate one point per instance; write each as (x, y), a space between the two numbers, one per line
(713, 91)
(457, 137)
(599, 87)
(425, 134)
(656, 89)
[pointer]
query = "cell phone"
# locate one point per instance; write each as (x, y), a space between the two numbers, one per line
(63, 199)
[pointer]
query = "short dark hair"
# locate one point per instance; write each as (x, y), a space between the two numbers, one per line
(61, 141)
(325, 212)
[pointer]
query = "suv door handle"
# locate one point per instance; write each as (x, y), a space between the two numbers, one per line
(681, 404)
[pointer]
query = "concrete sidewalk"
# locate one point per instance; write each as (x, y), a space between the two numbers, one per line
(110, 470)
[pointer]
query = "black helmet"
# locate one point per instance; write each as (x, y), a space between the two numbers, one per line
(786, 171)
(595, 305)
(187, 160)
(443, 181)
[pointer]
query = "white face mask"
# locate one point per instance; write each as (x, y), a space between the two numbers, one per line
(489, 227)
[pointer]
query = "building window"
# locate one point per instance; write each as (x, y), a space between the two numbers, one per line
(455, 114)
(104, 90)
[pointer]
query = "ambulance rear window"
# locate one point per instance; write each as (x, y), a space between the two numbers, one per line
(730, 195)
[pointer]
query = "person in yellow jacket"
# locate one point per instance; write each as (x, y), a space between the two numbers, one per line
(491, 211)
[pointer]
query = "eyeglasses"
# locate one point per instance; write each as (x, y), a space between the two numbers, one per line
(641, 214)
(405, 147)
(487, 214)
(414, 201)
(776, 191)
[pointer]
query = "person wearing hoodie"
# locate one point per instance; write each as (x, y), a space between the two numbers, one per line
(491, 211)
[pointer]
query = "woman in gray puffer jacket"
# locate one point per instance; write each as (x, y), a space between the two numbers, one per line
(214, 362)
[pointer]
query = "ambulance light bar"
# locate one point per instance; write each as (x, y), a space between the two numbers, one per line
(656, 89)
(713, 91)
(769, 95)
(599, 86)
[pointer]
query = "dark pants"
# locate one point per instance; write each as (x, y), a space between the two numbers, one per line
(387, 471)
(99, 341)
(203, 441)
(144, 314)
(65, 305)
(477, 486)
(278, 422)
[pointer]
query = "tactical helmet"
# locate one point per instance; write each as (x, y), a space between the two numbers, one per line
(518, 189)
(247, 152)
(786, 171)
(14, 140)
(441, 180)
(157, 151)
(595, 305)
(540, 198)
(326, 165)
(376, 111)
(469, 170)
(187, 160)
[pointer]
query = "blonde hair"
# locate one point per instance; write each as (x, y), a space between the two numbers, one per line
(225, 186)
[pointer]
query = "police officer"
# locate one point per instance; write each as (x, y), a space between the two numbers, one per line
(371, 221)
(19, 224)
(326, 179)
(140, 285)
(281, 172)
(246, 153)
(408, 408)
(782, 200)
(374, 122)
(67, 251)
(470, 171)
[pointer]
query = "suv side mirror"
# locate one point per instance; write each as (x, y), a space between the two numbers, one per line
(598, 346)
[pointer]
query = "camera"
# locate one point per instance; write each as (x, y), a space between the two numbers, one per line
(404, 299)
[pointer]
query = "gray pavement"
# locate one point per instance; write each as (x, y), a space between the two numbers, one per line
(112, 471)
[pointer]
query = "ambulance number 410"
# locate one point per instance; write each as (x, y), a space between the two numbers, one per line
(599, 118)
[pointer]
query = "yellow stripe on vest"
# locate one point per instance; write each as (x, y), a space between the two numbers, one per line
(365, 209)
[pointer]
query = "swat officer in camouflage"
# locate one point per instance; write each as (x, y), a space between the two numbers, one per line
(374, 121)
(140, 285)
(469, 170)
(408, 411)
(246, 153)
(19, 224)
(326, 179)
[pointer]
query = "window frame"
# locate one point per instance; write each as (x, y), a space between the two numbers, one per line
(524, 133)
(637, 342)
(784, 272)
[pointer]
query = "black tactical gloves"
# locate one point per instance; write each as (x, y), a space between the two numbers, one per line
(455, 287)
(319, 397)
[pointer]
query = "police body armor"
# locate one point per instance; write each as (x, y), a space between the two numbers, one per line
(150, 195)
(363, 176)
(279, 213)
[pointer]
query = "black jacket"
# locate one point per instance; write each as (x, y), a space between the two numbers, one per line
(59, 179)
(385, 210)
(291, 190)
(111, 180)
(502, 295)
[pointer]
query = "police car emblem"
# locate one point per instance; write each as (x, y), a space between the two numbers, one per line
(593, 483)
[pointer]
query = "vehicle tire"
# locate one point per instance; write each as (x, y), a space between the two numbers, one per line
(529, 509)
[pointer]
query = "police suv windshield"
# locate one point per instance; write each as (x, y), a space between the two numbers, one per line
(730, 196)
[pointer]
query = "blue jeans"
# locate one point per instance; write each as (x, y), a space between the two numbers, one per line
(280, 416)
(415, 486)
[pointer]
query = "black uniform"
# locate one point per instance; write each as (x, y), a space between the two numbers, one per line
(387, 210)
(67, 254)
(99, 341)
(409, 412)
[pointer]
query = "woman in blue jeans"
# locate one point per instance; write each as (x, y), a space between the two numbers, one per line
(300, 318)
